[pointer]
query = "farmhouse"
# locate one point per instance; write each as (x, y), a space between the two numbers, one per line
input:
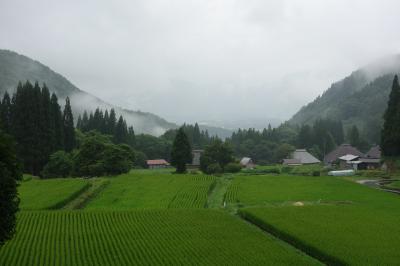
(247, 162)
(158, 163)
(304, 156)
(299, 157)
(196, 158)
(342, 150)
(358, 163)
(375, 152)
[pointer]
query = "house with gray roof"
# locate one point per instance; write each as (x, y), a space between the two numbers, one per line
(342, 150)
(375, 152)
(304, 157)
(247, 162)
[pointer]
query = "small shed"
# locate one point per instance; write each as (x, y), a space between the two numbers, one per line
(247, 162)
(291, 162)
(157, 163)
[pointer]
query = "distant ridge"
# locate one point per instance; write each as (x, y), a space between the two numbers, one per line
(359, 99)
(15, 67)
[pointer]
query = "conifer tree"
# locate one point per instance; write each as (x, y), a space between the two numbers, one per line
(121, 131)
(57, 123)
(390, 137)
(112, 121)
(9, 174)
(69, 131)
(354, 136)
(46, 131)
(5, 113)
(181, 151)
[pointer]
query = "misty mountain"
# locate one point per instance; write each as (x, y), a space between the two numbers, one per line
(15, 67)
(359, 99)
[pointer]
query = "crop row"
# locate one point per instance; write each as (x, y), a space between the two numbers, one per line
(145, 237)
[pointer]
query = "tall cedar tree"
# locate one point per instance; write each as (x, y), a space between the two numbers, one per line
(121, 131)
(57, 123)
(69, 131)
(9, 174)
(5, 113)
(390, 140)
(181, 151)
(46, 130)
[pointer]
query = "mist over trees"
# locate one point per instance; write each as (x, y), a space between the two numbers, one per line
(34, 119)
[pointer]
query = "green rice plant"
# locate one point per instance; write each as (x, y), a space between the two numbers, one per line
(336, 234)
(45, 194)
(143, 237)
(265, 190)
(148, 189)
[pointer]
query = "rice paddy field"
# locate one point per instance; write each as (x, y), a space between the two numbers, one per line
(150, 217)
(143, 237)
(270, 190)
(45, 194)
(158, 189)
(336, 234)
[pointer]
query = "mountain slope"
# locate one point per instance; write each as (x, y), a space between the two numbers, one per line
(15, 67)
(359, 99)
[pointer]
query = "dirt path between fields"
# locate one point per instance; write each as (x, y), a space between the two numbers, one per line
(380, 184)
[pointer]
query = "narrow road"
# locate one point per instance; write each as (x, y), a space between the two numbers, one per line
(380, 184)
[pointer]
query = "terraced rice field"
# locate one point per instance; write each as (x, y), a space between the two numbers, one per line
(336, 234)
(49, 193)
(143, 237)
(147, 189)
(267, 190)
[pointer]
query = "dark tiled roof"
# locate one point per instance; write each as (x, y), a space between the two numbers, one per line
(340, 151)
(374, 152)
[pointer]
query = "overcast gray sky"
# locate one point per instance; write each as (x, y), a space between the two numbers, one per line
(203, 60)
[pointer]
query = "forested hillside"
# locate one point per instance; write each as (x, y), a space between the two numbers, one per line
(359, 99)
(15, 67)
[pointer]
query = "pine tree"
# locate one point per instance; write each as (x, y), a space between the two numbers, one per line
(85, 122)
(69, 131)
(47, 134)
(112, 122)
(354, 136)
(9, 174)
(390, 136)
(57, 123)
(181, 151)
(5, 113)
(121, 131)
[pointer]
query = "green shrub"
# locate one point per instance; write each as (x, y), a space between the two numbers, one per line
(232, 168)
(286, 169)
(316, 173)
(214, 168)
(59, 165)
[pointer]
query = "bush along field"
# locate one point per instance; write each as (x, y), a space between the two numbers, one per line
(156, 217)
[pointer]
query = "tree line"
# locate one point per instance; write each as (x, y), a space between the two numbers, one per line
(106, 123)
(39, 126)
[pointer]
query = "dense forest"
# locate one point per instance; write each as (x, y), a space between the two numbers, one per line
(41, 128)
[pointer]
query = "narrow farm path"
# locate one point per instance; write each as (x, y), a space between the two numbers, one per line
(217, 195)
(96, 186)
